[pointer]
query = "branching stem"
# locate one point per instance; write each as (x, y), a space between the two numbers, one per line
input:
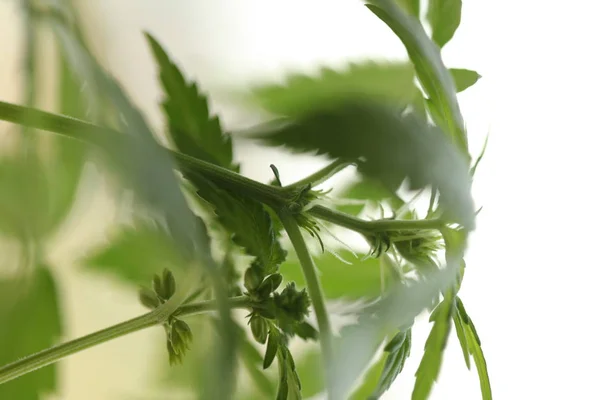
(155, 317)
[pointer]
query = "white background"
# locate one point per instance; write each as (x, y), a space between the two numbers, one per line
(530, 286)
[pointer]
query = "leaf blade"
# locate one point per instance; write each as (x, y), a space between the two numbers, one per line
(444, 18)
(464, 78)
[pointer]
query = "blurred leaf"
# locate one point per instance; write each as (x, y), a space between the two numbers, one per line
(430, 365)
(192, 128)
(289, 381)
(369, 381)
(433, 75)
(368, 190)
(444, 18)
(309, 367)
(398, 350)
(135, 253)
(30, 321)
(396, 310)
(462, 338)
(393, 145)
(413, 7)
(248, 222)
(340, 280)
(253, 362)
(386, 82)
(472, 346)
(464, 78)
(480, 157)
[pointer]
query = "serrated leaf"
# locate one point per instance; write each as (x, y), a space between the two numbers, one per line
(361, 279)
(289, 383)
(248, 222)
(391, 82)
(394, 362)
(30, 321)
(462, 338)
(388, 145)
(444, 18)
(430, 365)
(471, 345)
(433, 75)
(464, 78)
(192, 128)
(134, 253)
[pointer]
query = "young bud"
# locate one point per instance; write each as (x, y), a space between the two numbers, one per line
(168, 283)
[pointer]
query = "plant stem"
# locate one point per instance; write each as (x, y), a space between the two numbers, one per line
(56, 353)
(314, 287)
(274, 196)
(321, 175)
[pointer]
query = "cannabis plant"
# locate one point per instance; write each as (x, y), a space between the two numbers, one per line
(205, 240)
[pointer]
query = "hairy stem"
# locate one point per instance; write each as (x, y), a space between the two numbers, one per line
(155, 317)
(314, 287)
(276, 197)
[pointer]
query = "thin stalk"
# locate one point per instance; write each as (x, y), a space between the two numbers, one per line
(153, 318)
(314, 287)
(321, 175)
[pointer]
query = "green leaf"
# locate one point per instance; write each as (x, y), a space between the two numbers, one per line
(30, 321)
(464, 78)
(386, 82)
(388, 145)
(412, 7)
(480, 157)
(135, 253)
(433, 75)
(462, 338)
(430, 365)
(361, 279)
(471, 345)
(368, 190)
(444, 18)
(272, 346)
(192, 128)
(248, 222)
(394, 362)
(289, 382)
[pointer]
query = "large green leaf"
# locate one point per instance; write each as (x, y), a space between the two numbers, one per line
(361, 279)
(430, 365)
(391, 82)
(30, 321)
(135, 253)
(464, 78)
(444, 18)
(388, 145)
(471, 346)
(433, 75)
(192, 128)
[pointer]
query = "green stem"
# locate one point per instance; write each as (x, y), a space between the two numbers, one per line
(321, 175)
(274, 196)
(155, 317)
(314, 287)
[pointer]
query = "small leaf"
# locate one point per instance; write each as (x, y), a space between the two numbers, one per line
(386, 82)
(30, 322)
(398, 351)
(472, 345)
(464, 78)
(259, 328)
(462, 338)
(192, 128)
(444, 18)
(430, 365)
(271, 351)
(433, 75)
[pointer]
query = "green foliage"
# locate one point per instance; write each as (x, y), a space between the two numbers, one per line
(443, 17)
(360, 279)
(135, 252)
(392, 83)
(30, 322)
(464, 78)
(399, 145)
(430, 365)
(192, 128)
(368, 191)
